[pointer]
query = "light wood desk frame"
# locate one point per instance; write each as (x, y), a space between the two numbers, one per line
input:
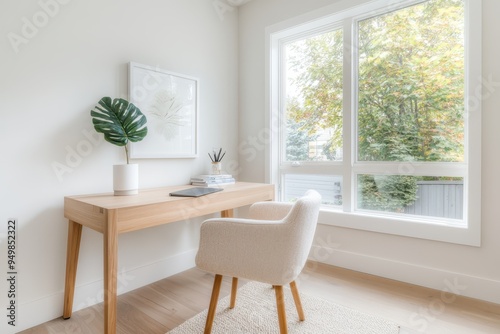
(112, 215)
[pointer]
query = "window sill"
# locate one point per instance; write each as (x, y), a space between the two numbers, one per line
(436, 230)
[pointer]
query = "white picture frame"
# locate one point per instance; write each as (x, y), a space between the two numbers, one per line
(170, 102)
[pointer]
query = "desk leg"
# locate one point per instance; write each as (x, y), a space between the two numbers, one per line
(110, 272)
(72, 250)
(227, 213)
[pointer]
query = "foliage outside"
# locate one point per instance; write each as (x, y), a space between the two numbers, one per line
(410, 93)
(297, 148)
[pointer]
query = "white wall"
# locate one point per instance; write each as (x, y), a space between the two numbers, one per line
(423, 262)
(47, 89)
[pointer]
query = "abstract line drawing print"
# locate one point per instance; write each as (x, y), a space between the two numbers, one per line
(170, 102)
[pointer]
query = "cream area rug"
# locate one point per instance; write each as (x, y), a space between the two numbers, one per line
(255, 312)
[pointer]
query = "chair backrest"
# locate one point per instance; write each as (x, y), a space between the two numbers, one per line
(300, 227)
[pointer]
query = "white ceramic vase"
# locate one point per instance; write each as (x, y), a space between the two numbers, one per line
(126, 179)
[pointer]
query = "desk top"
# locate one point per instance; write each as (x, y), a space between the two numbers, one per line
(153, 207)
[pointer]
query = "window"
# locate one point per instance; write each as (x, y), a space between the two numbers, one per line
(372, 108)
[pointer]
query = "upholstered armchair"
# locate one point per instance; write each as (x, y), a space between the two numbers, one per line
(271, 246)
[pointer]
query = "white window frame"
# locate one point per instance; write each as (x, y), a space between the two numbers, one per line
(344, 14)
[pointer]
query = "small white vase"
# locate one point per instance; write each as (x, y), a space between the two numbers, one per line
(126, 179)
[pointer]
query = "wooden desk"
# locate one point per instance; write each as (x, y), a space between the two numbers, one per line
(112, 215)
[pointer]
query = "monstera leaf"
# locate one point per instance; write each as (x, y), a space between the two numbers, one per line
(119, 121)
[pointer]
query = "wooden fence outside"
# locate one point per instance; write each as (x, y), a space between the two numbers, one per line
(438, 199)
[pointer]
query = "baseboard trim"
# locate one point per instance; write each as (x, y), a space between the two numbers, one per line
(460, 284)
(36, 312)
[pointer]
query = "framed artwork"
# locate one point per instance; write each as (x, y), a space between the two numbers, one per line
(170, 102)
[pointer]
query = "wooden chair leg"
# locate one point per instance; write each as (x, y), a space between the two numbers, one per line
(296, 298)
(280, 303)
(213, 304)
(234, 288)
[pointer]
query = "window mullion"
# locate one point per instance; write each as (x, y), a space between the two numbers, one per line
(326, 169)
(348, 123)
(411, 168)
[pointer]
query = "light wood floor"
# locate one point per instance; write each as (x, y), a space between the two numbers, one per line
(163, 305)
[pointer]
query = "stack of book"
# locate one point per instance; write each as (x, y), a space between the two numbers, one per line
(212, 180)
